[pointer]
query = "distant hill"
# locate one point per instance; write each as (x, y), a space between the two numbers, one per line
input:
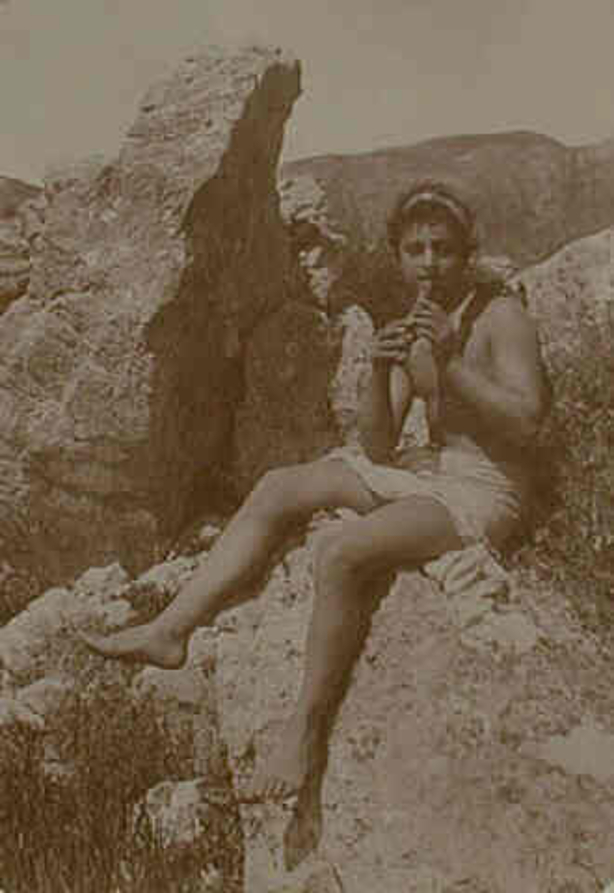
(533, 194)
(12, 193)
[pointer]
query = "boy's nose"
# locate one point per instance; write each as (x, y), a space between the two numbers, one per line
(429, 259)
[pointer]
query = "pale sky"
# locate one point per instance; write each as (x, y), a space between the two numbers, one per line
(376, 73)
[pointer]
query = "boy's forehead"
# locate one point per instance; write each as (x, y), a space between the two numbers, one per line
(431, 223)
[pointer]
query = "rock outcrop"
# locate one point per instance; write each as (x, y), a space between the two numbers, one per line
(572, 294)
(122, 367)
(21, 206)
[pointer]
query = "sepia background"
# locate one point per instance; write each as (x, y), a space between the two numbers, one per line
(375, 74)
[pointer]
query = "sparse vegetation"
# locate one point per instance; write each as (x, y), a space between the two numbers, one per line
(574, 543)
(70, 820)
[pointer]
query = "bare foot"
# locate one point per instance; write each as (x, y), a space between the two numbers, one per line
(288, 769)
(140, 644)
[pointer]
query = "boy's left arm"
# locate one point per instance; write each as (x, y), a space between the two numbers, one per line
(511, 400)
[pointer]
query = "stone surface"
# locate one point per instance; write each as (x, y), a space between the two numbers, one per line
(21, 206)
(286, 415)
(572, 294)
(121, 368)
(186, 816)
(180, 810)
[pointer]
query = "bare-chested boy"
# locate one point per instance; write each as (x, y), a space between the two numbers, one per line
(492, 397)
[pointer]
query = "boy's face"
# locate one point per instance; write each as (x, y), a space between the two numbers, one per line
(432, 256)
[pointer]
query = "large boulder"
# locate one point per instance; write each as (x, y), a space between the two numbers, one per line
(572, 295)
(122, 367)
(21, 207)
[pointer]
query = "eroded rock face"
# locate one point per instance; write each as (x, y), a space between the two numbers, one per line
(21, 209)
(572, 294)
(287, 415)
(121, 369)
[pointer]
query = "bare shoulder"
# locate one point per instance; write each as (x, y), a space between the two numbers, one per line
(515, 351)
(507, 318)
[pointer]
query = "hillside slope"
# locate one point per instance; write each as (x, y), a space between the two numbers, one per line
(532, 193)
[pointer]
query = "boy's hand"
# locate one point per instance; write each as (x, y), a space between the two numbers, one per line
(392, 343)
(434, 324)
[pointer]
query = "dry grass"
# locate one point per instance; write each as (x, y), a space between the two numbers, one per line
(69, 818)
(574, 544)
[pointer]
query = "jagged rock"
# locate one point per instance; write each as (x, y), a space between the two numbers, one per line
(185, 815)
(13, 712)
(33, 644)
(572, 294)
(121, 369)
(178, 810)
(20, 208)
(46, 696)
(316, 242)
(286, 416)
(474, 745)
(14, 264)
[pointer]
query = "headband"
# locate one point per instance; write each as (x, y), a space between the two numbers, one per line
(428, 197)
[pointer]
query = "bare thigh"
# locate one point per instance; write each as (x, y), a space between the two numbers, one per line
(300, 490)
(407, 532)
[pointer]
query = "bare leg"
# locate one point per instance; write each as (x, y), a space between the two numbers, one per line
(410, 531)
(282, 498)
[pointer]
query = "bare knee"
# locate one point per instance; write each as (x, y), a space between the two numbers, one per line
(275, 495)
(340, 558)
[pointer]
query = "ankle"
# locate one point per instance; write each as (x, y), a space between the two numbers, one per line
(167, 632)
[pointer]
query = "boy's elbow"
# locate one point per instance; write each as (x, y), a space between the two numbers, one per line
(376, 449)
(379, 454)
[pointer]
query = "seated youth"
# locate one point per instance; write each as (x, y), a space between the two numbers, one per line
(482, 370)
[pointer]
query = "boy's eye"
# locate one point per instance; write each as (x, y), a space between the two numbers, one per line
(444, 248)
(415, 249)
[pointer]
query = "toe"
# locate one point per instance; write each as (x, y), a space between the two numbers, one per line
(94, 641)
